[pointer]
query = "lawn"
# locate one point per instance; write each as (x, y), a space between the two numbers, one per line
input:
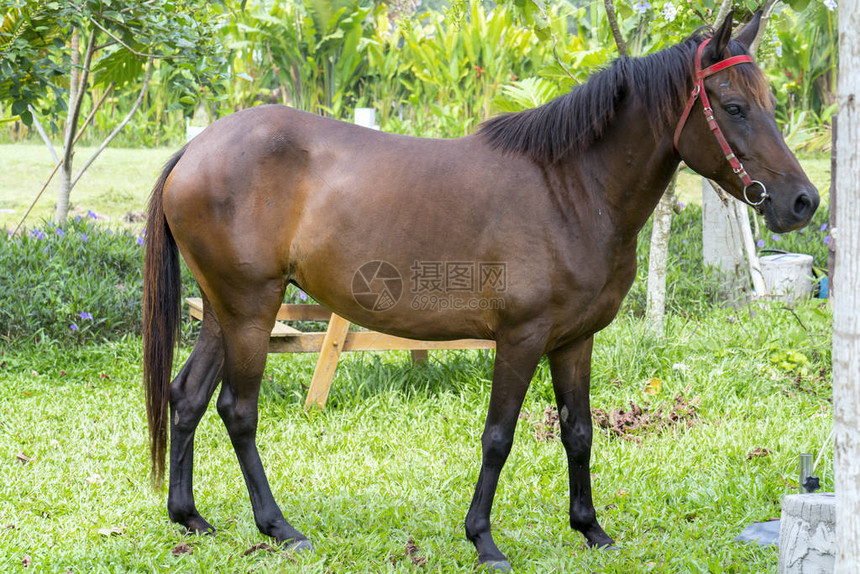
(121, 179)
(395, 456)
(118, 182)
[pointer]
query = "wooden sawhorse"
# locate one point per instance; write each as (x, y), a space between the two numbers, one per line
(337, 339)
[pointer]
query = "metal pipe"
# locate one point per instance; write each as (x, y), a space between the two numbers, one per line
(805, 472)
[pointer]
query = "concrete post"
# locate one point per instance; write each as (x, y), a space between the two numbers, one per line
(807, 534)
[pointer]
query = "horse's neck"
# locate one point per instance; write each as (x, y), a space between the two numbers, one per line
(629, 167)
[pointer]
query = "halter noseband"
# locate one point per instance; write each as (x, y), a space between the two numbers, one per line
(700, 92)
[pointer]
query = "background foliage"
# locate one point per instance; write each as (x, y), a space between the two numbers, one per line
(428, 68)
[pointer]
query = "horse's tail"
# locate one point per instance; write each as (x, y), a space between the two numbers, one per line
(161, 305)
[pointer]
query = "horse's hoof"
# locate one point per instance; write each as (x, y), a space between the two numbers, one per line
(498, 565)
(300, 545)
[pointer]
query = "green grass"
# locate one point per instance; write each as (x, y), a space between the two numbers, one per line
(118, 182)
(121, 179)
(396, 453)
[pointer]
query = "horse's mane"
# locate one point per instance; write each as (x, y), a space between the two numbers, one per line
(661, 81)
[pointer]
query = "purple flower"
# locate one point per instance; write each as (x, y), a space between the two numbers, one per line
(760, 243)
(92, 214)
(302, 295)
(77, 219)
(73, 327)
(109, 232)
(682, 204)
(140, 240)
(775, 237)
(823, 227)
(86, 315)
(84, 237)
(37, 234)
(827, 240)
(830, 4)
(60, 232)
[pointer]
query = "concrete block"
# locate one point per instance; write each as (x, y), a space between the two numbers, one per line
(807, 537)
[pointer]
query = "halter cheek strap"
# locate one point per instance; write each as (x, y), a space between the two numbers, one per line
(700, 92)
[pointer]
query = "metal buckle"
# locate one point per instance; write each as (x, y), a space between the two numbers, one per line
(761, 199)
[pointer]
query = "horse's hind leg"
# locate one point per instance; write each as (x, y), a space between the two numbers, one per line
(246, 327)
(190, 392)
(571, 380)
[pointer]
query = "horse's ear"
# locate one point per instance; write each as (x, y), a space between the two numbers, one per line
(720, 39)
(748, 33)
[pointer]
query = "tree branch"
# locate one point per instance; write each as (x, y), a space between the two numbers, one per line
(42, 133)
(122, 124)
(123, 44)
(616, 31)
(766, 11)
(725, 6)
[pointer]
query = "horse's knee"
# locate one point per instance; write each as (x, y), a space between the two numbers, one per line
(496, 445)
(240, 417)
(576, 436)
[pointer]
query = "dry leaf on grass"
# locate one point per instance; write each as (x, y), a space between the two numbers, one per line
(758, 452)
(113, 531)
(26, 561)
(412, 552)
(182, 548)
(260, 546)
(23, 458)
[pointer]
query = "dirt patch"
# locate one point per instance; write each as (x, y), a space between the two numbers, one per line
(629, 424)
(638, 420)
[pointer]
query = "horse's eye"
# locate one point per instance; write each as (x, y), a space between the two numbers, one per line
(733, 110)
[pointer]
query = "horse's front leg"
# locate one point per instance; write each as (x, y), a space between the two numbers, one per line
(571, 379)
(513, 370)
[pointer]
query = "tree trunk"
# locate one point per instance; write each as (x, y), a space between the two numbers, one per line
(721, 247)
(62, 211)
(613, 25)
(846, 302)
(658, 258)
(77, 88)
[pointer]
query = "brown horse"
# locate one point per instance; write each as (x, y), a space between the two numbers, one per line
(538, 211)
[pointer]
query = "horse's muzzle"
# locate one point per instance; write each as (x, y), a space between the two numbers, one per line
(793, 212)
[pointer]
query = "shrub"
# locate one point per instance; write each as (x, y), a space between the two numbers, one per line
(77, 283)
(71, 283)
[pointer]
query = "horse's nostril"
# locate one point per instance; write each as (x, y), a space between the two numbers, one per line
(802, 205)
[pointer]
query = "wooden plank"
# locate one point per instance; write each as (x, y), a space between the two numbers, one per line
(285, 313)
(372, 341)
(195, 307)
(303, 313)
(332, 345)
(284, 330)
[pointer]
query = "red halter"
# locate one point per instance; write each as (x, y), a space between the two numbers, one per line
(700, 92)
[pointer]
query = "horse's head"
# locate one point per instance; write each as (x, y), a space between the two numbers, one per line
(752, 161)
